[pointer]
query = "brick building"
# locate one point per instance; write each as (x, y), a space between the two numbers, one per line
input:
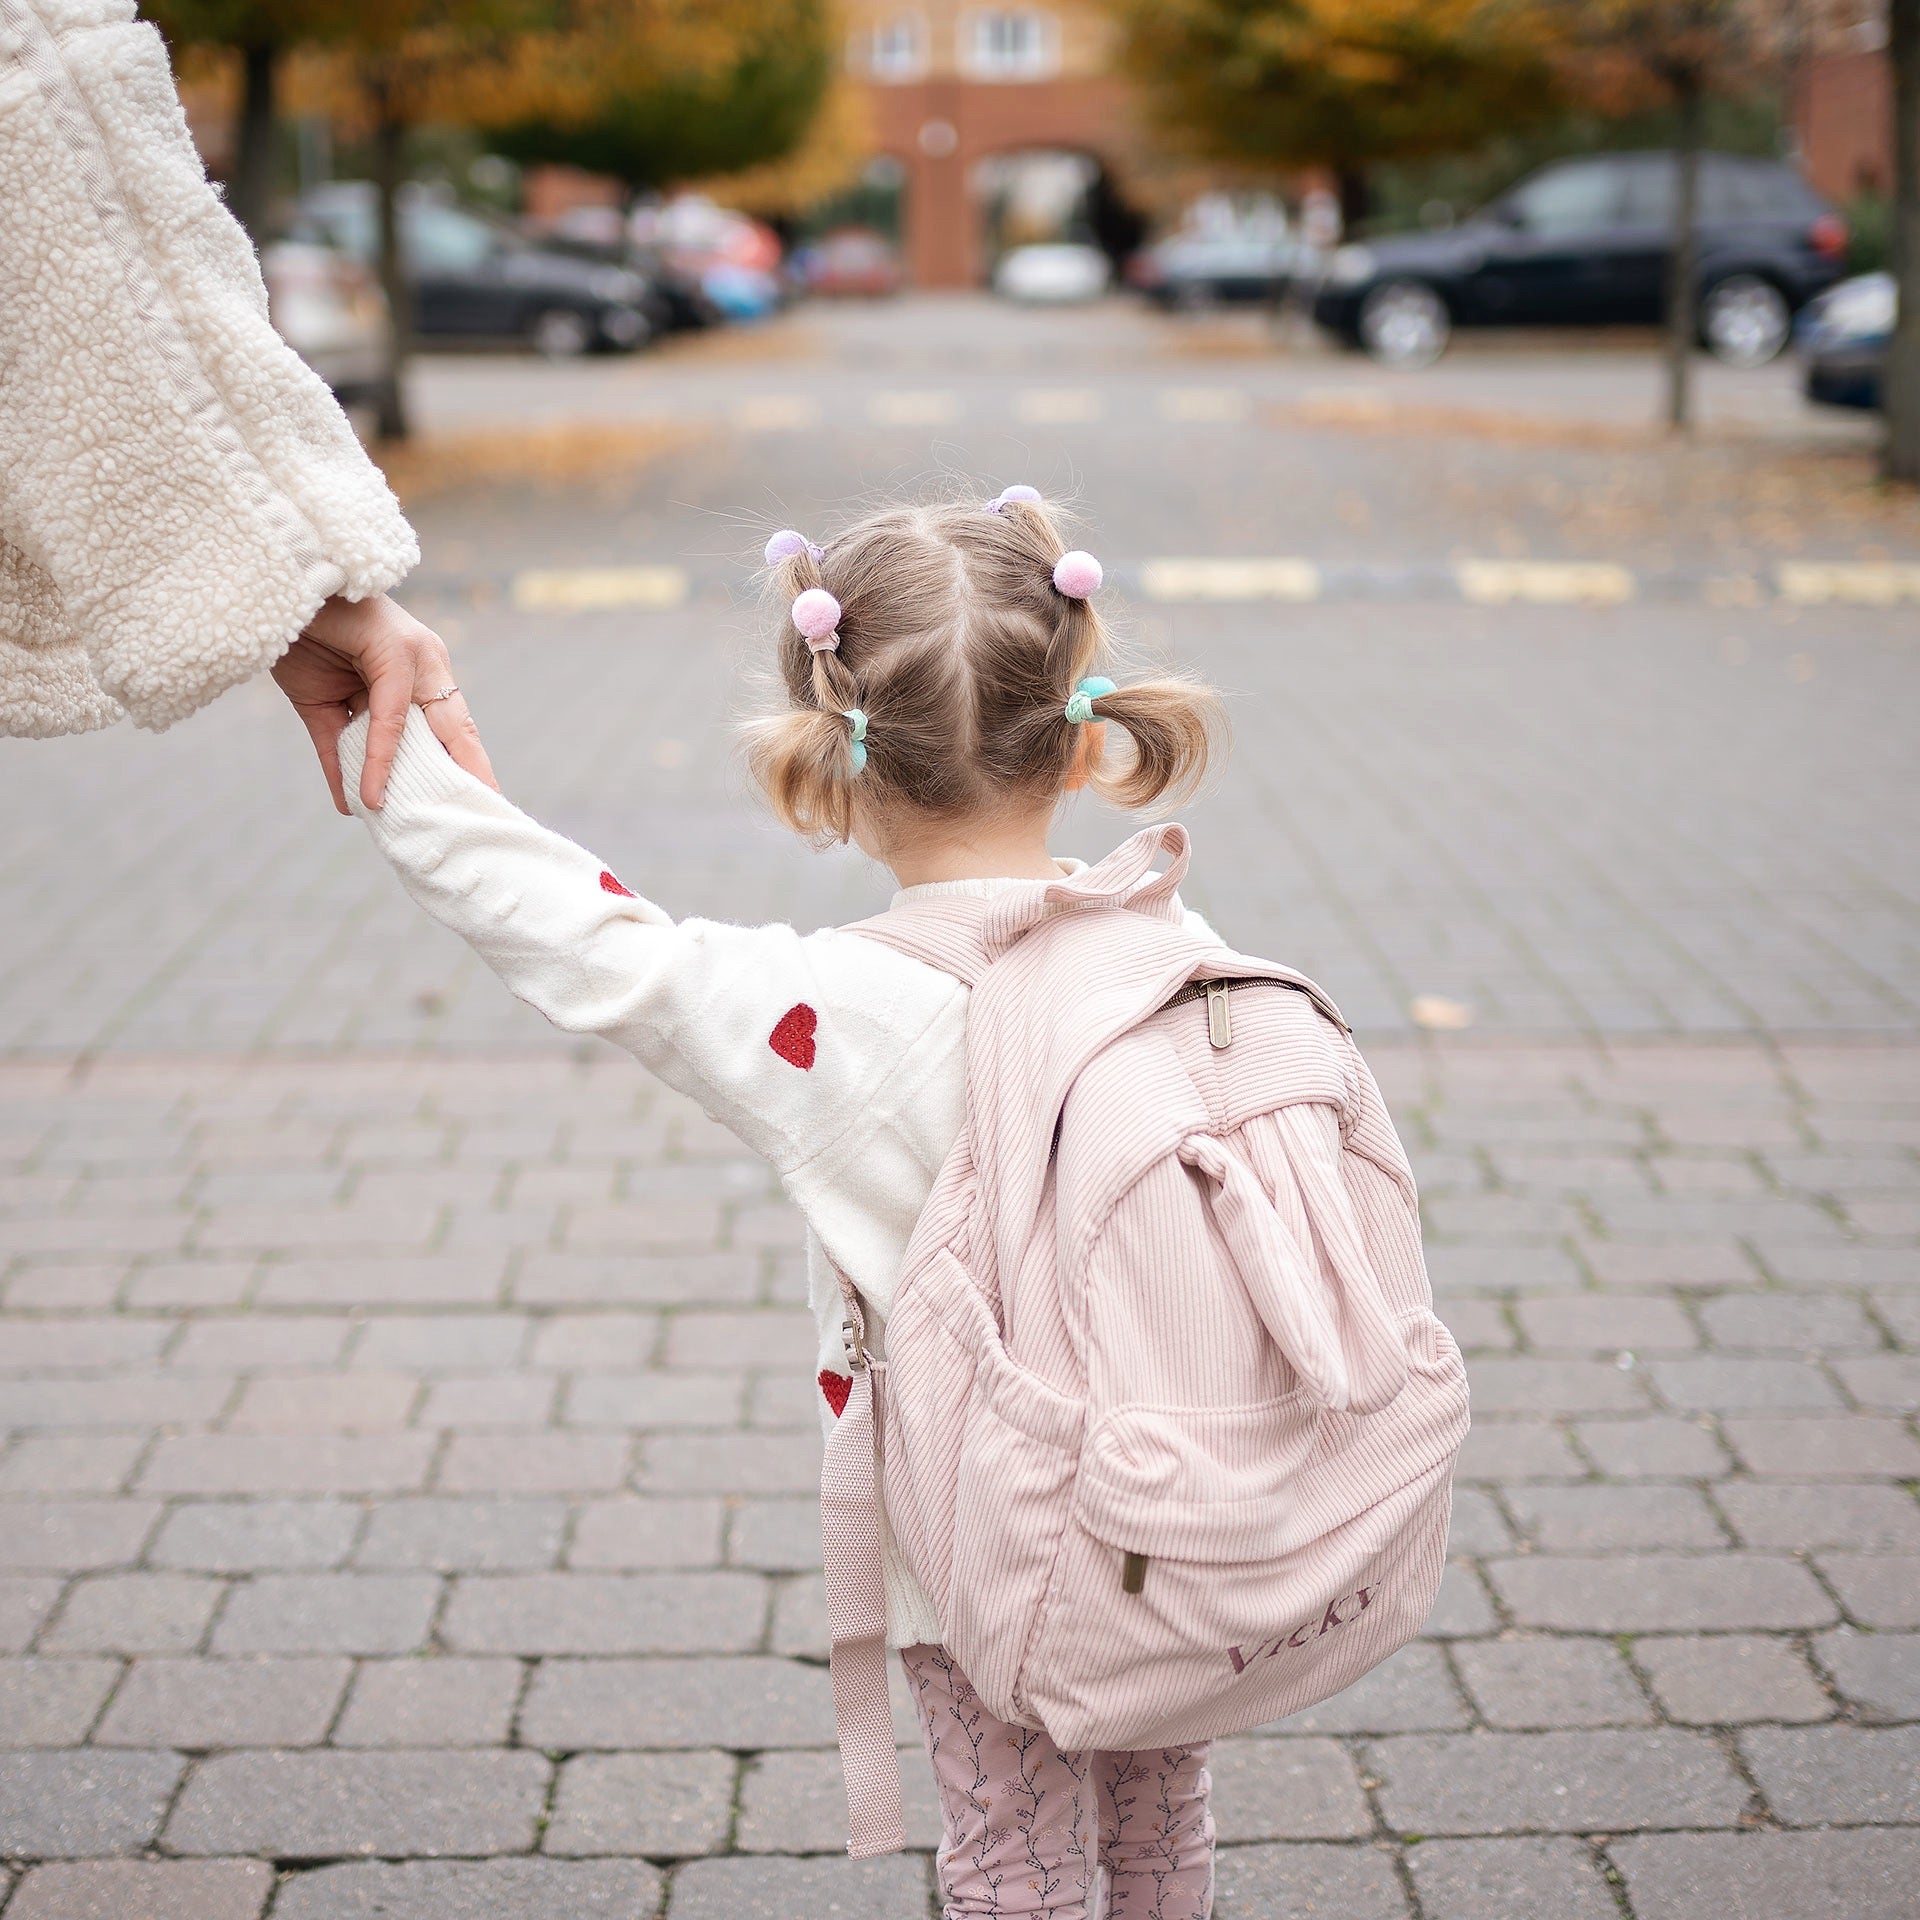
(951, 83)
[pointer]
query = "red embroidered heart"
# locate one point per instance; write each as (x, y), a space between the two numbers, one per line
(836, 1387)
(608, 884)
(792, 1039)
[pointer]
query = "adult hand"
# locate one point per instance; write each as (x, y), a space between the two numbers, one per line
(358, 654)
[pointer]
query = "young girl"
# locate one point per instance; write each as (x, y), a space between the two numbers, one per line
(941, 671)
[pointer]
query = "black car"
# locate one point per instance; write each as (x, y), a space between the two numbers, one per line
(473, 280)
(1844, 337)
(1587, 242)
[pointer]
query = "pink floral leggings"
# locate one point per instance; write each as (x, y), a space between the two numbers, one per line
(1028, 1827)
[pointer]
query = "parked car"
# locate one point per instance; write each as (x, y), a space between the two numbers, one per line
(1053, 273)
(472, 279)
(851, 263)
(329, 309)
(1587, 242)
(1202, 269)
(677, 301)
(1844, 337)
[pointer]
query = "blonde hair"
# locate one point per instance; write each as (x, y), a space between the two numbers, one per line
(961, 653)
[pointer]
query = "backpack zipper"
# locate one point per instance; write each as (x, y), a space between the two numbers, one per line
(1217, 994)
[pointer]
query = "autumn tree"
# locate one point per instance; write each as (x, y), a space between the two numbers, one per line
(1339, 84)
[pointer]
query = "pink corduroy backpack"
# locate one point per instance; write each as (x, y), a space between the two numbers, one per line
(1166, 1422)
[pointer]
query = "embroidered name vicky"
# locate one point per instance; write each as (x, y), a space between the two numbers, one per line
(1305, 1631)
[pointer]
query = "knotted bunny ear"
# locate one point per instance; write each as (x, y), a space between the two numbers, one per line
(786, 543)
(817, 614)
(1010, 494)
(1077, 574)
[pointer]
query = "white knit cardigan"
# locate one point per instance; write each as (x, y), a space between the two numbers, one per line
(178, 491)
(838, 1060)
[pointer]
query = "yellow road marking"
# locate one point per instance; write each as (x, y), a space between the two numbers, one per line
(776, 412)
(1271, 579)
(1057, 406)
(911, 409)
(587, 589)
(1864, 583)
(1544, 582)
(1196, 404)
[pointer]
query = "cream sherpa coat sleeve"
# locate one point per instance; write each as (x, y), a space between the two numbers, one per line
(178, 491)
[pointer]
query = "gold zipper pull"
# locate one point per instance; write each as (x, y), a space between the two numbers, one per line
(1133, 1573)
(1219, 1019)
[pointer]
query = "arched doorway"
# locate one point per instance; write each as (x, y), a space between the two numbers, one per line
(1027, 195)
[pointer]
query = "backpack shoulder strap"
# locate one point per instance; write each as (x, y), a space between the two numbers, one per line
(942, 933)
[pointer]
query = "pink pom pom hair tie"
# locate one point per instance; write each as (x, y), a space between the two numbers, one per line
(1010, 494)
(786, 543)
(1077, 574)
(817, 614)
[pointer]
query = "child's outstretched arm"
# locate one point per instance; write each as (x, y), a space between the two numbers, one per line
(781, 1038)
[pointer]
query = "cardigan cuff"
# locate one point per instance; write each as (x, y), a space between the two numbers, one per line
(422, 772)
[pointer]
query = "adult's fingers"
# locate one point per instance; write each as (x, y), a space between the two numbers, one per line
(453, 727)
(388, 698)
(324, 727)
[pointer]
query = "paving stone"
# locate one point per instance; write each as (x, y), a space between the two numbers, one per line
(1843, 1267)
(575, 1279)
(1635, 1264)
(224, 1343)
(145, 1890)
(1650, 1593)
(475, 1890)
(113, 1402)
(595, 1342)
(1771, 1876)
(634, 1534)
(191, 1283)
(774, 1888)
(69, 1463)
(77, 1805)
(73, 1536)
(581, 1613)
(441, 1342)
(1504, 1879)
(1653, 1447)
(249, 1536)
(1509, 1450)
(203, 1704)
(800, 1624)
(325, 1403)
(24, 1604)
(422, 1281)
(1302, 1789)
(1583, 1519)
(1877, 1589)
(1599, 1780)
(1478, 1326)
(430, 1703)
(1476, 1526)
(286, 1463)
(1878, 1672)
(796, 1802)
(1522, 1384)
(668, 1805)
(1847, 1775)
(533, 1463)
(1606, 1323)
(731, 1463)
(134, 1613)
(745, 1703)
(1551, 1683)
(312, 1806)
(1900, 1312)
(1461, 1606)
(1872, 1518)
(464, 1536)
(1409, 1692)
(1352, 1883)
(1788, 1322)
(328, 1613)
(1887, 1380)
(1728, 1384)
(779, 1536)
(655, 1402)
(99, 1340)
(1457, 1272)
(52, 1703)
(1723, 1679)
(491, 1401)
(1859, 1446)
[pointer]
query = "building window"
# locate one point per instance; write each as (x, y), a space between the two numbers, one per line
(1010, 44)
(894, 49)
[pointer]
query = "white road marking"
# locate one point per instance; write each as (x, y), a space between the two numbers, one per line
(913, 409)
(1058, 406)
(1814, 582)
(1555, 583)
(1268, 579)
(1194, 405)
(587, 589)
(776, 412)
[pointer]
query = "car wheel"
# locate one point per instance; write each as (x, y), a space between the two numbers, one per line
(624, 328)
(1404, 323)
(560, 333)
(1745, 321)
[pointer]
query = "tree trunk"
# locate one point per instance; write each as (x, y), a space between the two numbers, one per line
(250, 191)
(1356, 198)
(389, 170)
(1901, 457)
(1683, 269)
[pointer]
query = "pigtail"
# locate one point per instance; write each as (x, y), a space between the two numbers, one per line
(1175, 727)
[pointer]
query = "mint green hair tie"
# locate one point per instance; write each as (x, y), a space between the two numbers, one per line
(859, 721)
(1080, 701)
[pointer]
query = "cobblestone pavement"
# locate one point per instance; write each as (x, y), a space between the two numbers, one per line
(407, 1455)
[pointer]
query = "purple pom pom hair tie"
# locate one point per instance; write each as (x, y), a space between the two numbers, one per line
(817, 614)
(1010, 494)
(786, 543)
(1077, 575)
